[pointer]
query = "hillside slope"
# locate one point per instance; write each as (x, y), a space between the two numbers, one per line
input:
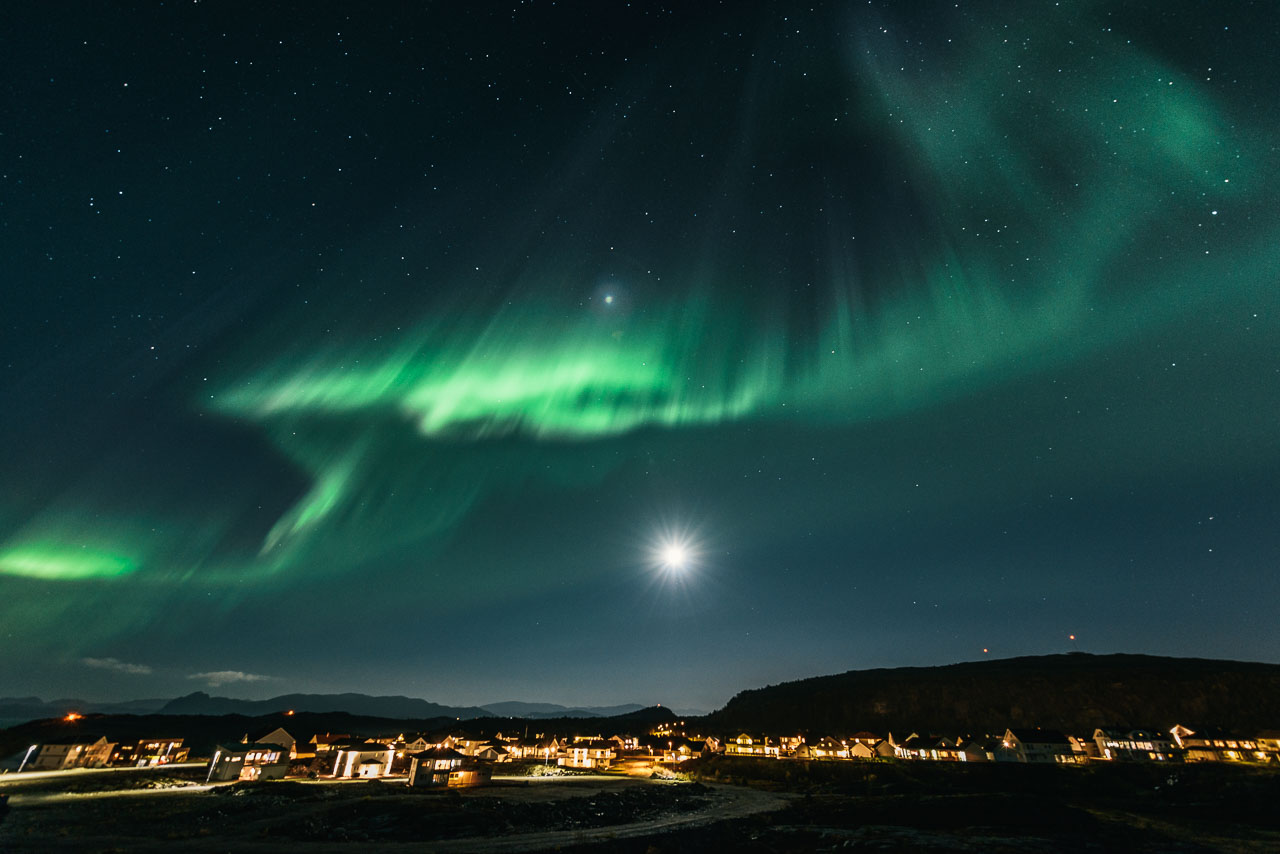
(1074, 692)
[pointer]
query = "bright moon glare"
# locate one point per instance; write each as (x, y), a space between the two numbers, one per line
(675, 556)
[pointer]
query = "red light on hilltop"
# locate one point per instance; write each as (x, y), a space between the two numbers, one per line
(73, 716)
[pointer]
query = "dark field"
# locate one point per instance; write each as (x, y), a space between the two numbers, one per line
(161, 811)
(957, 807)
(784, 807)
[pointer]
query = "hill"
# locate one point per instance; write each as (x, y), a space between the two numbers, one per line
(1074, 692)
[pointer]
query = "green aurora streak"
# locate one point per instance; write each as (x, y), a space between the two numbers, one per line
(54, 562)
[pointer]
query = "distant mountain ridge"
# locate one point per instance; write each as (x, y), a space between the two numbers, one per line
(1075, 692)
(538, 711)
(15, 710)
(18, 709)
(200, 703)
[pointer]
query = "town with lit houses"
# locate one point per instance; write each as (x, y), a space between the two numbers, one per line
(458, 759)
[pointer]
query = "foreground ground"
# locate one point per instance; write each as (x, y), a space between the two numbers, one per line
(158, 811)
(739, 805)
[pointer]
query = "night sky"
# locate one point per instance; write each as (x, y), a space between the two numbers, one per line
(392, 349)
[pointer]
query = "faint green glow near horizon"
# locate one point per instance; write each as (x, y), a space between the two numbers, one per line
(52, 562)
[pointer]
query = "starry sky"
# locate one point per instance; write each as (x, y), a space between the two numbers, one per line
(388, 349)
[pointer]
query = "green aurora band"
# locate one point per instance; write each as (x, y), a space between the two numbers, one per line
(54, 562)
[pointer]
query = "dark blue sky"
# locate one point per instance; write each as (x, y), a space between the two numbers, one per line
(385, 351)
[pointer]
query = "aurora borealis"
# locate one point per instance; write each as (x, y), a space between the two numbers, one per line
(378, 350)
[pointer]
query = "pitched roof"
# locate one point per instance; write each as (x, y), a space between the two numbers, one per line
(75, 739)
(263, 734)
(593, 744)
(241, 747)
(1039, 736)
(438, 753)
(366, 747)
(1218, 733)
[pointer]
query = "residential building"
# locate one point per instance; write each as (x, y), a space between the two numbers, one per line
(1135, 745)
(431, 768)
(1209, 744)
(978, 749)
(279, 736)
(247, 761)
(749, 745)
(366, 759)
(1039, 745)
(149, 751)
(1269, 744)
(74, 751)
(827, 747)
(596, 753)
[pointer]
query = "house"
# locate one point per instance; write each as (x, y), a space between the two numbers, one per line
(366, 759)
(279, 736)
(973, 749)
(749, 745)
(247, 761)
(907, 748)
(544, 749)
(943, 749)
(1038, 746)
(487, 750)
(863, 750)
(416, 744)
(429, 768)
(595, 753)
(935, 748)
(827, 747)
(465, 745)
(1135, 745)
(471, 773)
(1084, 747)
(1269, 744)
(74, 751)
(520, 748)
(678, 749)
(493, 753)
(149, 751)
(1207, 744)
(625, 742)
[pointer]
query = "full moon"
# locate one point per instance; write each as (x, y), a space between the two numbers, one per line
(675, 556)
